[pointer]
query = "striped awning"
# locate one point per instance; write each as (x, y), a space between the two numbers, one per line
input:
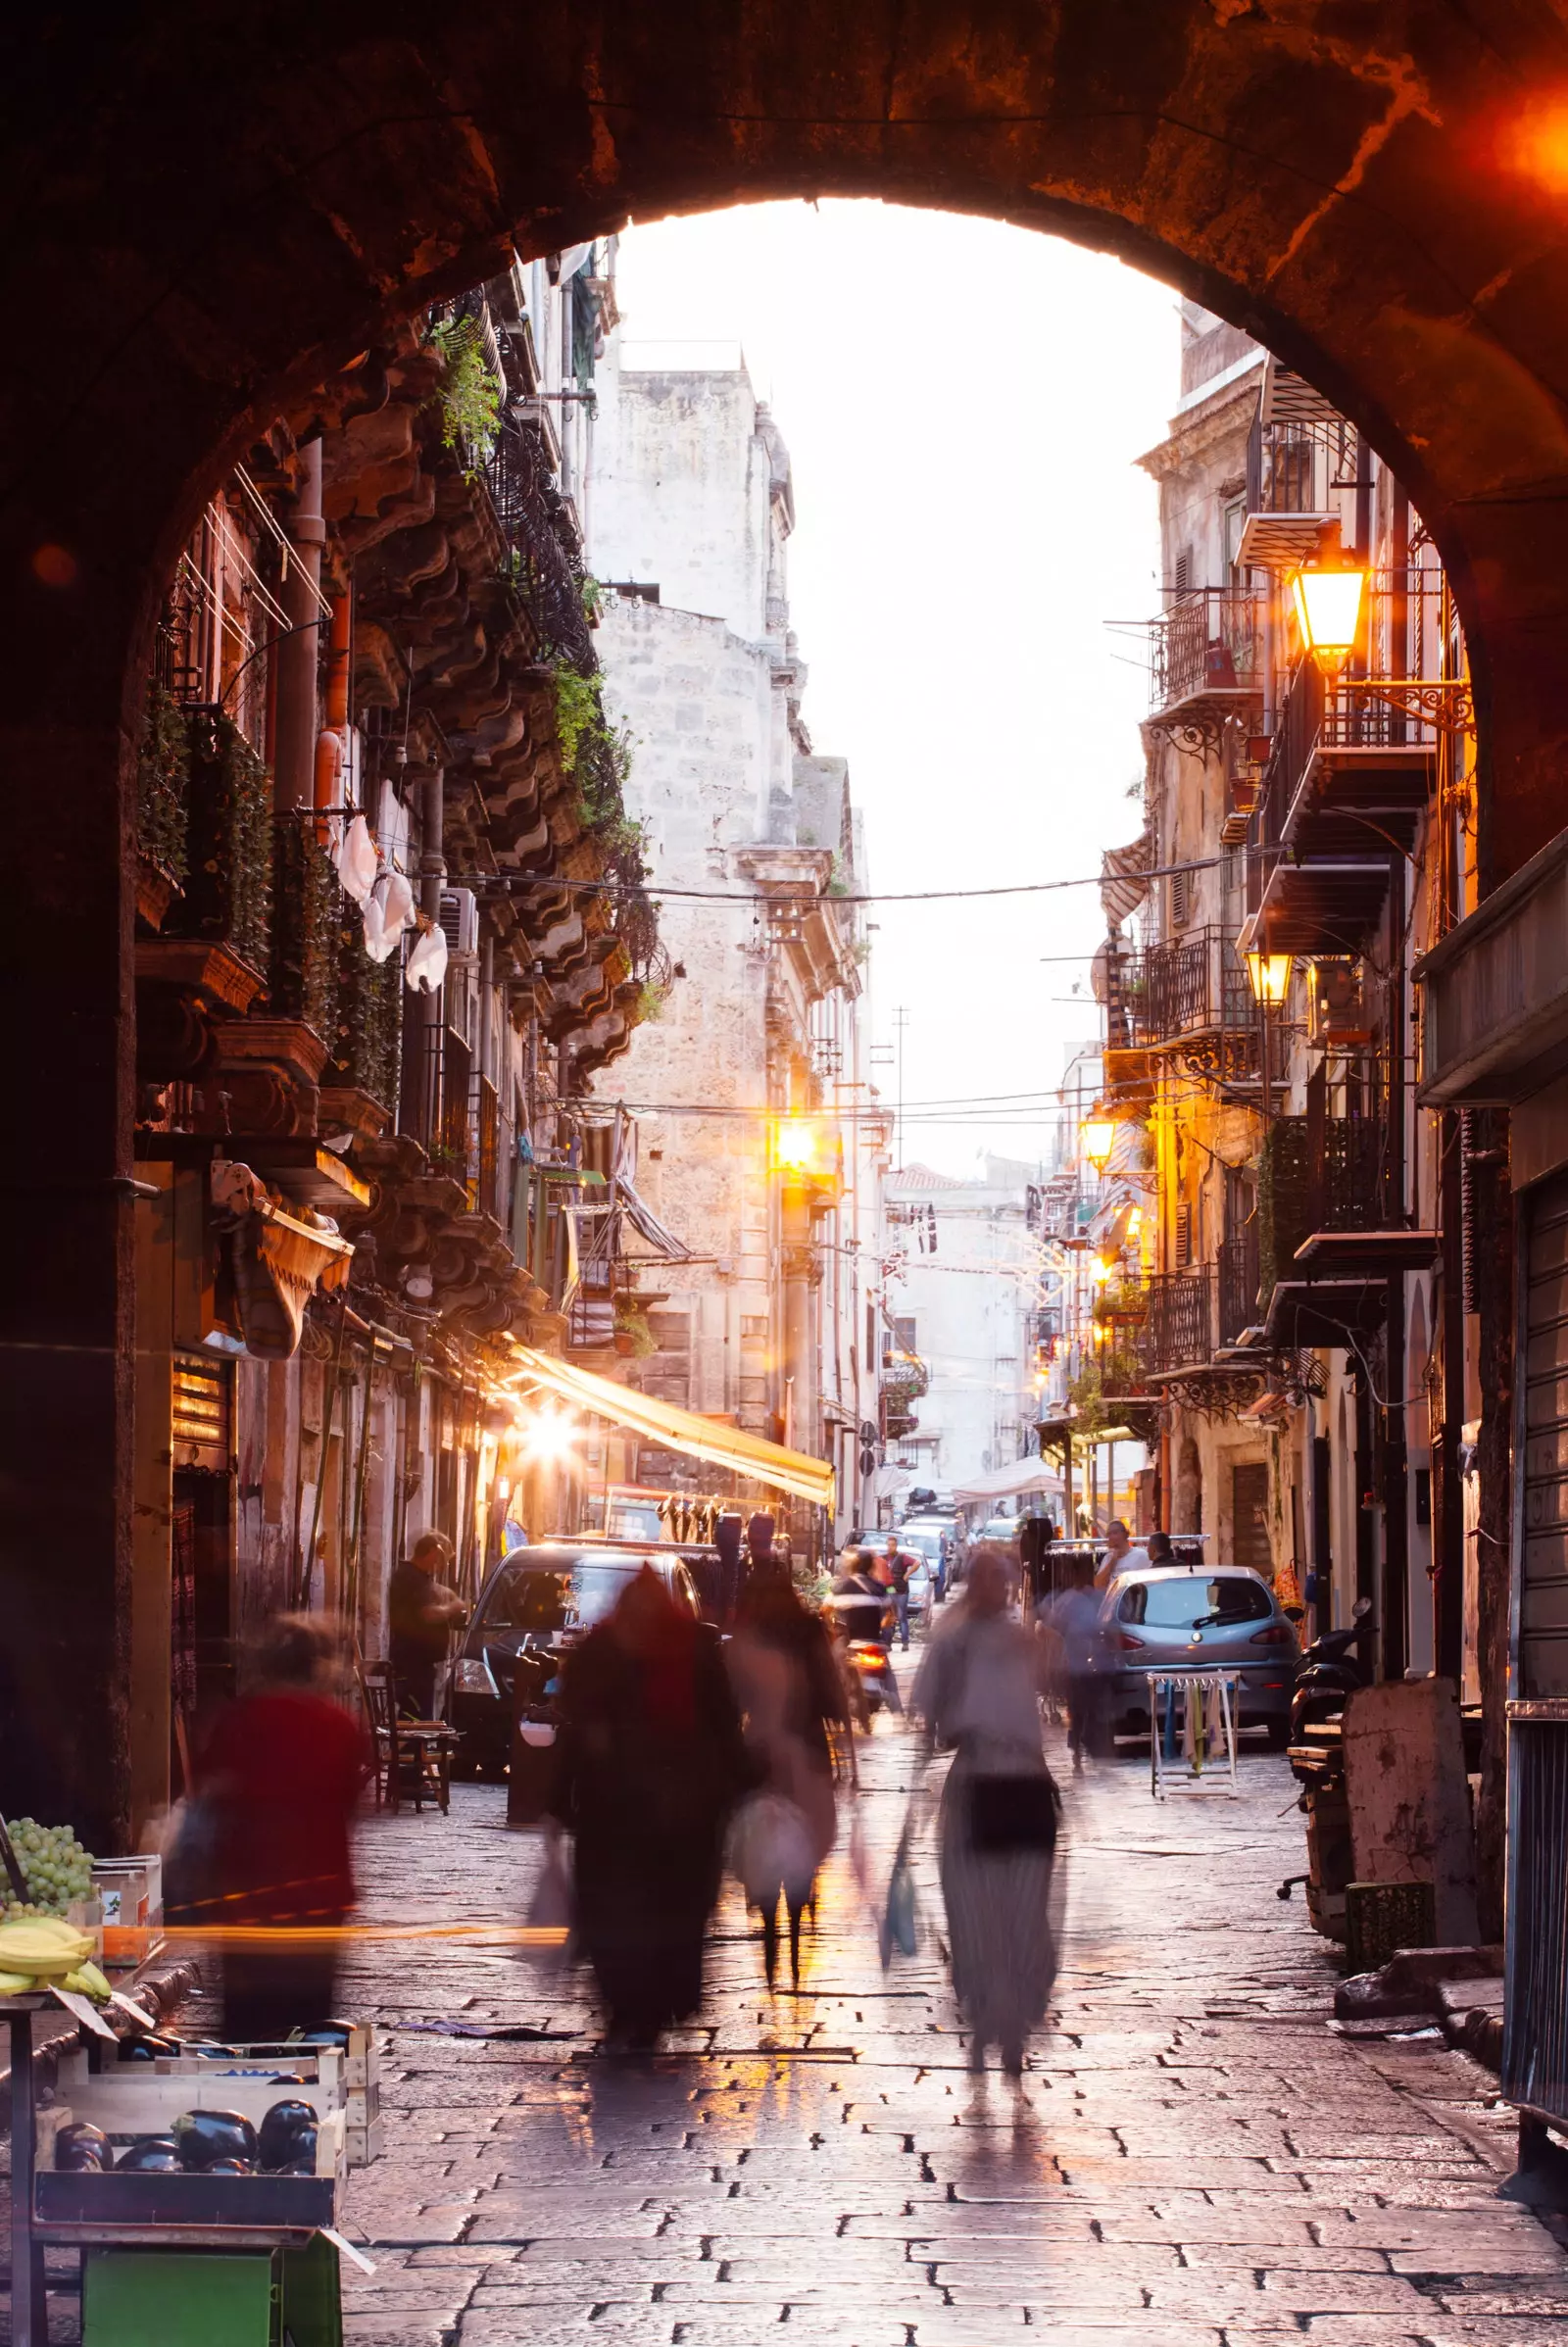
(1123, 877)
(699, 1437)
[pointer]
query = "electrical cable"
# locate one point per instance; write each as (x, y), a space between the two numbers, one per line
(803, 904)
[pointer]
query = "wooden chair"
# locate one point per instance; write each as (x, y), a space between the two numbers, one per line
(412, 1757)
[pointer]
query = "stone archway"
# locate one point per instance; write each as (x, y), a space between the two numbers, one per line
(208, 216)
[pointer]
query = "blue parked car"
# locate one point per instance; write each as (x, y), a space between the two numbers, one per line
(1197, 1617)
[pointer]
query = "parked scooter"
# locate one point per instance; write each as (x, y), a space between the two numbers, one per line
(1328, 1674)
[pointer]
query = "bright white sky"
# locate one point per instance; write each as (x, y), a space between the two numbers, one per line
(963, 403)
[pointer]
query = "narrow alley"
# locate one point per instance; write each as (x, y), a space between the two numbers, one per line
(1206, 2164)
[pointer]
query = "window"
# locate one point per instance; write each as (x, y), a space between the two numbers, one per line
(539, 1598)
(1179, 1604)
(903, 1336)
(1233, 523)
(1181, 899)
(1184, 571)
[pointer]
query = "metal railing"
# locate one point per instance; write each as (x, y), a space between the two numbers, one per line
(1535, 2033)
(1207, 641)
(1237, 1279)
(545, 571)
(1190, 985)
(1328, 1174)
(1294, 463)
(1177, 1329)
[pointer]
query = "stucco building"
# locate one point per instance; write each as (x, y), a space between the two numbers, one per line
(762, 1140)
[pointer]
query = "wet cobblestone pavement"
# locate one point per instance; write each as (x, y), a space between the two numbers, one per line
(1204, 2164)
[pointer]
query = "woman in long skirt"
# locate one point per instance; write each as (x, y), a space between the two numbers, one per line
(978, 1693)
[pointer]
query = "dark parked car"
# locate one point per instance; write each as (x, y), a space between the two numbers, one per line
(1206, 1617)
(536, 1605)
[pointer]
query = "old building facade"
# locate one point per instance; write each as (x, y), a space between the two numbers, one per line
(762, 1141)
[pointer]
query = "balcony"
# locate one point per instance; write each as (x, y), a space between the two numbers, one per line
(1238, 1271)
(1348, 783)
(1495, 988)
(1177, 1330)
(1187, 1001)
(1299, 454)
(1206, 665)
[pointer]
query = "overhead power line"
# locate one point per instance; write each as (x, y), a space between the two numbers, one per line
(651, 886)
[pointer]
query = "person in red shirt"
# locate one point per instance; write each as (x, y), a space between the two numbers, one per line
(279, 1782)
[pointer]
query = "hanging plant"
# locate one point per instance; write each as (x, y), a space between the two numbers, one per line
(163, 786)
(467, 395)
(228, 891)
(368, 1023)
(306, 925)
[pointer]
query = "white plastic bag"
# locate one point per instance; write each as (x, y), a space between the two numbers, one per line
(771, 1850)
(427, 963)
(357, 860)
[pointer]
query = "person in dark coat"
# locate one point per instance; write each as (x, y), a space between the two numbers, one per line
(421, 1614)
(727, 1540)
(760, 1537)
(649, 1764)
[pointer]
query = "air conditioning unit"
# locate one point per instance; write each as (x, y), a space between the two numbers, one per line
(460, 920)
(460, 926)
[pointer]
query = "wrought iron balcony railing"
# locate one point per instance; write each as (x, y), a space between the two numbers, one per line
(1295, 462)
(1328, 1174)
(1178, 1325)
(1207, 641)
(1186, 989)
(546, 573)
(1237, 1280)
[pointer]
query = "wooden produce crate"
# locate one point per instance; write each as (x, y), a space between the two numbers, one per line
(136, 2099)
(341, 2080)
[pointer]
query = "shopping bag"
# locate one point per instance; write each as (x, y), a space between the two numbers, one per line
(552, 1910)
(770, 1851)
(898, 1933)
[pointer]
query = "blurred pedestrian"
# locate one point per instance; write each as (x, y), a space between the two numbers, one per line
(420, 1612)
(791, 1700)
(978, 1693)
(897, 1565)
(1160, 1552)
(727, 1534)
(1074, 1621)
(278, 1785)
(649, 1764)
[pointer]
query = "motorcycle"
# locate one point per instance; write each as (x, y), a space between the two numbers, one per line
(871, 1667)
(1326, 1676)
(1329, 1674)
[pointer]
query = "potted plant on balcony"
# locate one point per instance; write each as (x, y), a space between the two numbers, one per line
(163, 806)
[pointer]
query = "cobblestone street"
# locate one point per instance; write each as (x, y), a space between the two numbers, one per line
(1206, 2164)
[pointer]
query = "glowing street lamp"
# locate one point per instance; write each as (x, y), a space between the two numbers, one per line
(1328, 609)
(1097, 1138)
(547, 1438)
(1269, 975)
(797, 1146)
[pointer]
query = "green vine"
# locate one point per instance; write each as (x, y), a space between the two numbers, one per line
(593, 597)
(579, 716)
(467, 395)
(229, 888)
(650, 1001)
(163, 786)
(306, 902)
(367, 1027)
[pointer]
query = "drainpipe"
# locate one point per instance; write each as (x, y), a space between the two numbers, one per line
(298, 718)
(333, 742)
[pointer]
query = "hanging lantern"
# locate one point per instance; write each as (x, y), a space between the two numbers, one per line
(1328, 610)
(1269, 975)
(1097, 1137)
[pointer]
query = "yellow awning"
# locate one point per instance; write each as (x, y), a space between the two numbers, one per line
(683, 1430)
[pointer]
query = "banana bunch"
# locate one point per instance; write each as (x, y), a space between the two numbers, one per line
(41, 1950)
